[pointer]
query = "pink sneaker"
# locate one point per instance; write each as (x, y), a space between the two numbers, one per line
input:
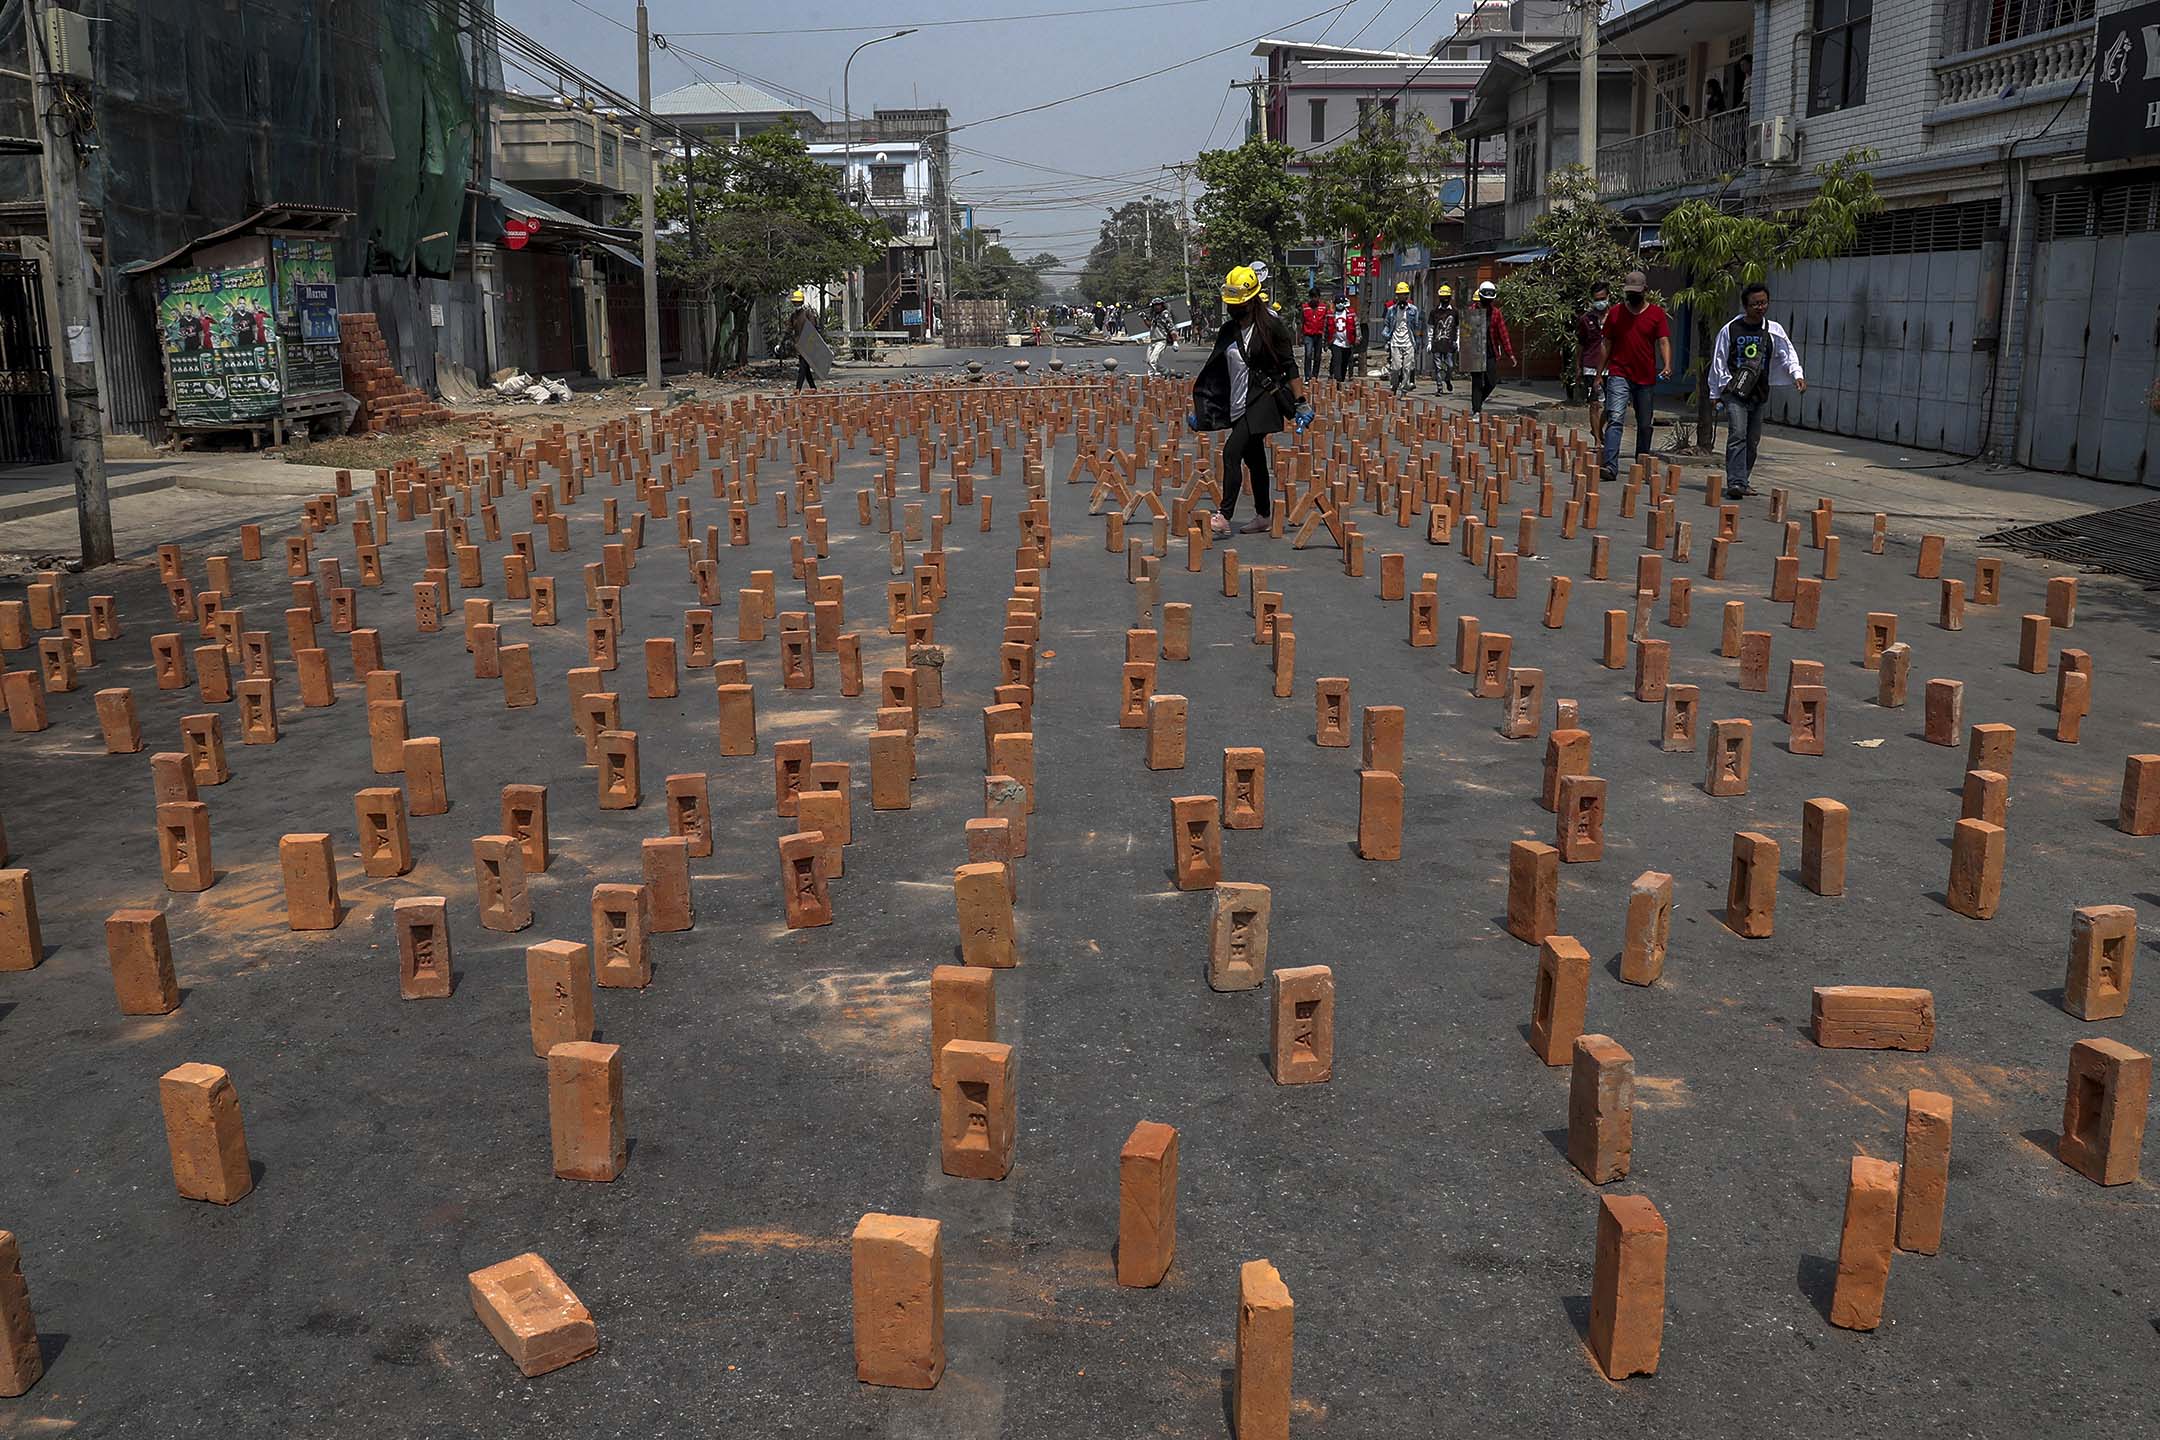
(1217, 525)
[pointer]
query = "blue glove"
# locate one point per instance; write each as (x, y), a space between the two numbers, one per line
(1192, 422)
(1304, 417)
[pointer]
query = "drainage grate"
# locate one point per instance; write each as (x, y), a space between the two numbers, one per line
(2123, 542)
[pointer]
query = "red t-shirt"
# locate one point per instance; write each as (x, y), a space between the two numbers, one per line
(1631, 342)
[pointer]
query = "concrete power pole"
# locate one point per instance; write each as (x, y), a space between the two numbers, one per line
(649, 241)
(1586, 123)
(57, 99)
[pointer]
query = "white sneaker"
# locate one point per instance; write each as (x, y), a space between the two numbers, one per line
(1217, 525)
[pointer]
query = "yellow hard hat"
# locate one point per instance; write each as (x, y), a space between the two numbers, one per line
(797, 297)
(1402, 287)
(1264, 300)
(1447, 292)
(1240, 285)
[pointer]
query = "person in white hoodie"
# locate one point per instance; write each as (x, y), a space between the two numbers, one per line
(1752, 354)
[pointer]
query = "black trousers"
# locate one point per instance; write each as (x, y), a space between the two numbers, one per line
(1244, 452)
(804, 375)
(1339, 363)
(1481, 385)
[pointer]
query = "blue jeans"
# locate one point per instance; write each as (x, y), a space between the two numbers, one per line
(1620, 393)
(1743, 440)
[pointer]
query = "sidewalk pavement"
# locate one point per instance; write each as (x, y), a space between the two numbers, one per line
(28, 490)
(1921, 491)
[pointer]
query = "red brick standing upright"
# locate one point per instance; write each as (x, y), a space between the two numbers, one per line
(1976, 866)
(1580, 819)
(525, 819)
(1147, 1204)
(2138, 812)
(499, 872)
(1561, 998)
(1533, 890)
(802, 880)
(309, 868)
(898, 1264)
(558, 993)
(1601, 1109)
(208, 1144)
(1649, 928)
(1627, 1288)
(22, 943)
(1301, 1024)
(1380, 815)
(2103, 950)
(1924, 1178)
(963, 1006)
(622, 955)
(2104, 1104)
(1732, 750)
(22, 1360)
(423, 940)
(1196, 841)
(585, 1110)
(1751, 888)
(1864, 1246)
(1260, 1383)
(977, 1110)
(139, 950)
(1824, 824)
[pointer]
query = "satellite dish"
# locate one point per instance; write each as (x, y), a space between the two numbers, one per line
(1451, 194)
(881, 157)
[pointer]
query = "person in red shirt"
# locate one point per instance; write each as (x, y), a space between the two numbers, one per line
(1590, 351)
(1638, 354)
(1314, 322)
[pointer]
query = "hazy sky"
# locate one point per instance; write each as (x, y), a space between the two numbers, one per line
(1110, 144)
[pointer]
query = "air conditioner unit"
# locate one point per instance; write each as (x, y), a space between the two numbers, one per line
(67, 44)
(1770, 142)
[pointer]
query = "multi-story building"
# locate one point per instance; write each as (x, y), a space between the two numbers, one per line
(895, 181)
(2006, 301)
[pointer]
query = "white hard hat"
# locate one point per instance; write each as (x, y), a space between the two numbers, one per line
(1487, 291)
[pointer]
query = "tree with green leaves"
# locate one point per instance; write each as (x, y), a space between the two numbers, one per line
(1721, 252)
(1381, 185)
(768, 217)
(1136, 254)
(998, 274)
(1252, 209)
(1582, 245)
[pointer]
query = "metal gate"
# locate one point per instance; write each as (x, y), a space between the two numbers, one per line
(29, 412)
(1886, 333)
(2088, 397)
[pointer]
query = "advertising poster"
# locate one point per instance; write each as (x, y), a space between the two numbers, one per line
(221, 344)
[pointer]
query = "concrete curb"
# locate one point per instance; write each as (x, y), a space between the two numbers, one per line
(48, 502)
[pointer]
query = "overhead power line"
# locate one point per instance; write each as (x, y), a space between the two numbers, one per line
(935, 24)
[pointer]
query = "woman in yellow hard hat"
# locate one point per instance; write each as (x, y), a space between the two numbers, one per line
(1250, 388)
(797, 320)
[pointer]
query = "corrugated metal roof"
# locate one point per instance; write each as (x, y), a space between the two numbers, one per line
(721, 98)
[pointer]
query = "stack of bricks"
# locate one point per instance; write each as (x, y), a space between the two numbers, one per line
(386, 401)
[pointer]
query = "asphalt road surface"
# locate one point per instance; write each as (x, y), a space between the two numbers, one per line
(1420, 1207)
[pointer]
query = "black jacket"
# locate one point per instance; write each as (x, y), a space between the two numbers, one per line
(1267, 390)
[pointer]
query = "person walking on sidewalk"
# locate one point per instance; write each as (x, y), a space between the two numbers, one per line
(1405, 333)
(1446, 327)
(1313, 320)
(1752, 354)
(1484, 343)
(1342, 339)
(1638, 354)
(1590, 347)
(1248, 387)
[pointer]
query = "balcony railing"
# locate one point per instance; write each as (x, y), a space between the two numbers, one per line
(2028, 71)
(1484, 225)
(1690, 153)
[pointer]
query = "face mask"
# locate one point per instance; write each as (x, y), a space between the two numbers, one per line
(1635, 298)
(1601, 305)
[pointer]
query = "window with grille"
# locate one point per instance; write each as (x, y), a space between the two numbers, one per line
(1668, 89)
(2126, 207)
(1461, 111)
(1522, 162)
(1838, 55)
(1926, 229)
(1319, 119)
(1974, 24)
(888, 182)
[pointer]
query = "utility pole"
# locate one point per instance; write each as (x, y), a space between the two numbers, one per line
(63, 107)
(1184, 169)
(649, 240)
(1586, 125)
(1147, 218)
(1256, 88)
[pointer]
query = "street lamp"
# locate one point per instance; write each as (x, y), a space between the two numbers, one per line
(847, 120)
